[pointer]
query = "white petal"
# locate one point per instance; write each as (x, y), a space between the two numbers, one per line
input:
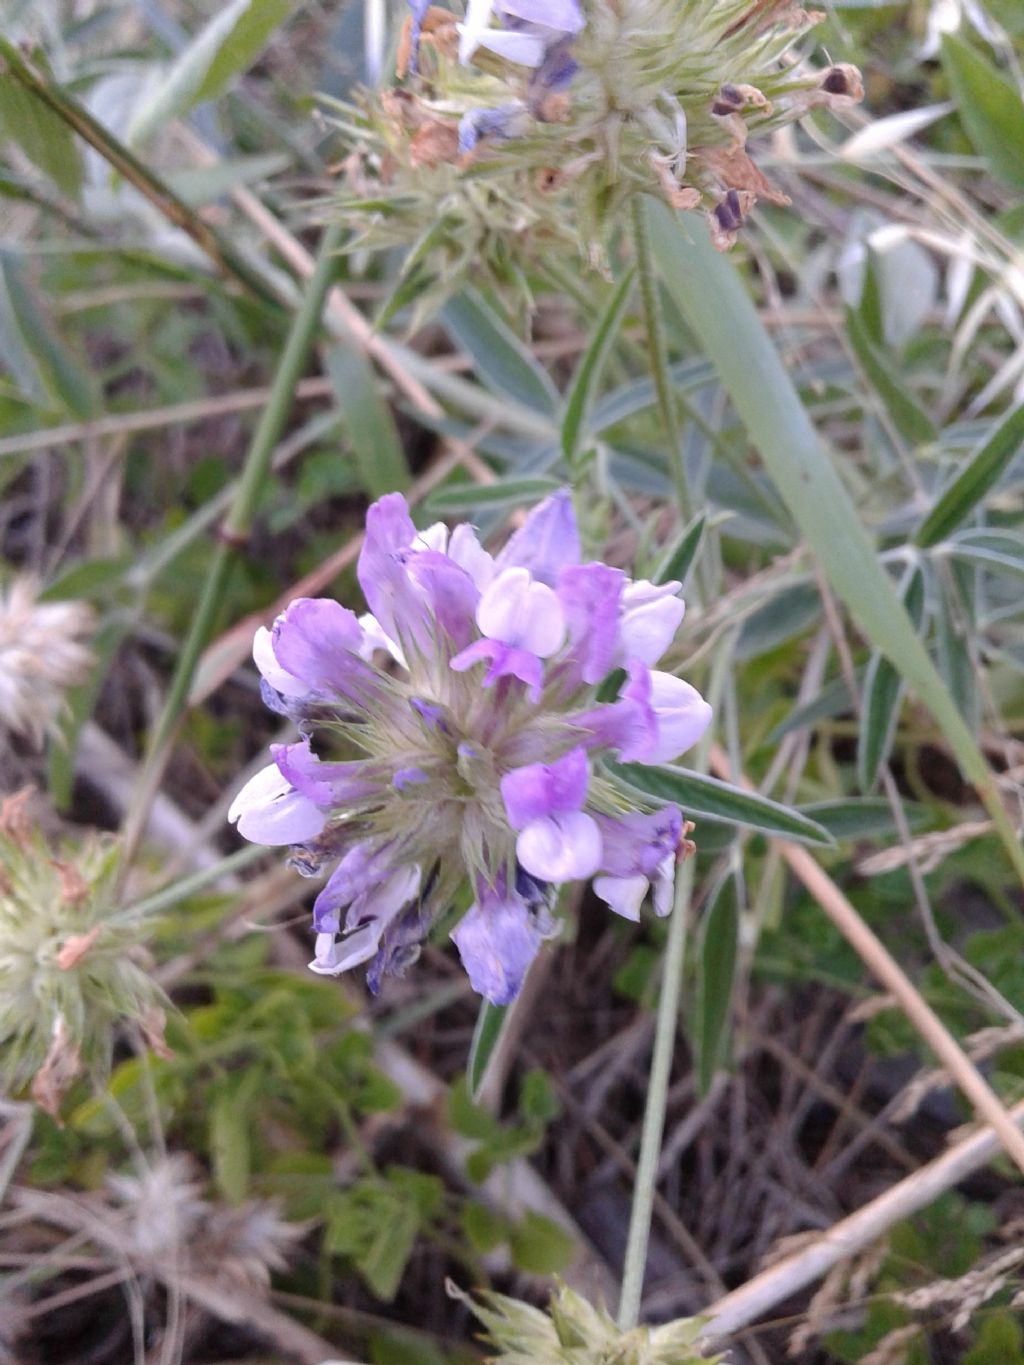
(433, 538)
(665, 885)
(624, 895)
(465, 550)
(268, 810)
(650, 619)
(375, 640)
(525, 49)
(265, 660)
(521, 613)
(333, 957)
(478, 18)
(561, 848)
(682, 716)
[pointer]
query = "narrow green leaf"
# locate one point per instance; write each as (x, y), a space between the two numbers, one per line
(699, 794)
(715, 303)
(499, 357)
(883, 694)
(833, 700)
(41, 134)
(22, 319)
(864, 817)
(488, 1028)
(908, 417)
(954, 627)
(979, 475)
(678, 558)
(717, 946)
(460, 499)
(229, 43)
(998, 550)
(367, 419)
(990, 108)
(583, 390)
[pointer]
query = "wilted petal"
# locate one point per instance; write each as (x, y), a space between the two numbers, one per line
(624, 895)
(589, 595)
(541, 789)
(651, 614)
(561, 848)
(521, 613)
(547, 542)
(497, 941)
(268, 810)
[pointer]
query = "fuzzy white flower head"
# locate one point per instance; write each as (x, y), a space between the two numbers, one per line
(42, 653)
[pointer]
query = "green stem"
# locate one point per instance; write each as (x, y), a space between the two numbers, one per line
(658, 353)
(16, 67)
(236, 529)
(654, 1112)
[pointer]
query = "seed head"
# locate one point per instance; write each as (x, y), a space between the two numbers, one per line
(524, 128)
(70, 969)
(42, 654)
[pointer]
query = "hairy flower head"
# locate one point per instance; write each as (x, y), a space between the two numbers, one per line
(467, 699)
(42, 654)
(575, 1332)
(525, 125)
(70, 970)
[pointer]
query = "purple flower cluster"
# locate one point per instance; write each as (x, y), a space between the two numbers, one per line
(469, 690)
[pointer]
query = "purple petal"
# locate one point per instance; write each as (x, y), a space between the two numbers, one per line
(268, 810)
(547, 542)
(563, 15)
(541, 789)
(327, 785)
(409, 777)
(651, 614)
(636, 844)
(363, 865)
(521, 613)
(317, 641)
(266, 661)
(450, 594)
(497, 941)
(504, 662)
(465, 550)
(561, 848)
(589, 594)
(389, 533)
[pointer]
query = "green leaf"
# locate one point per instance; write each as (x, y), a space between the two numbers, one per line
(39, 357)
(883, 693)
(230, 42)
(999, 1342)
(910, 420)
(583, 390)
(484, 1229)
(461, 499)
(200, 184)
(367, 419)
(716, 962)
(864, 817)
(539, 1246)
(499, 357)
(979, 475)
(990, 108)
(833, 700)
(714, 301)
(41, 133)
(998, 550)
(230, 1123)
(489, 1023)
(678, 558)
(699, 795)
